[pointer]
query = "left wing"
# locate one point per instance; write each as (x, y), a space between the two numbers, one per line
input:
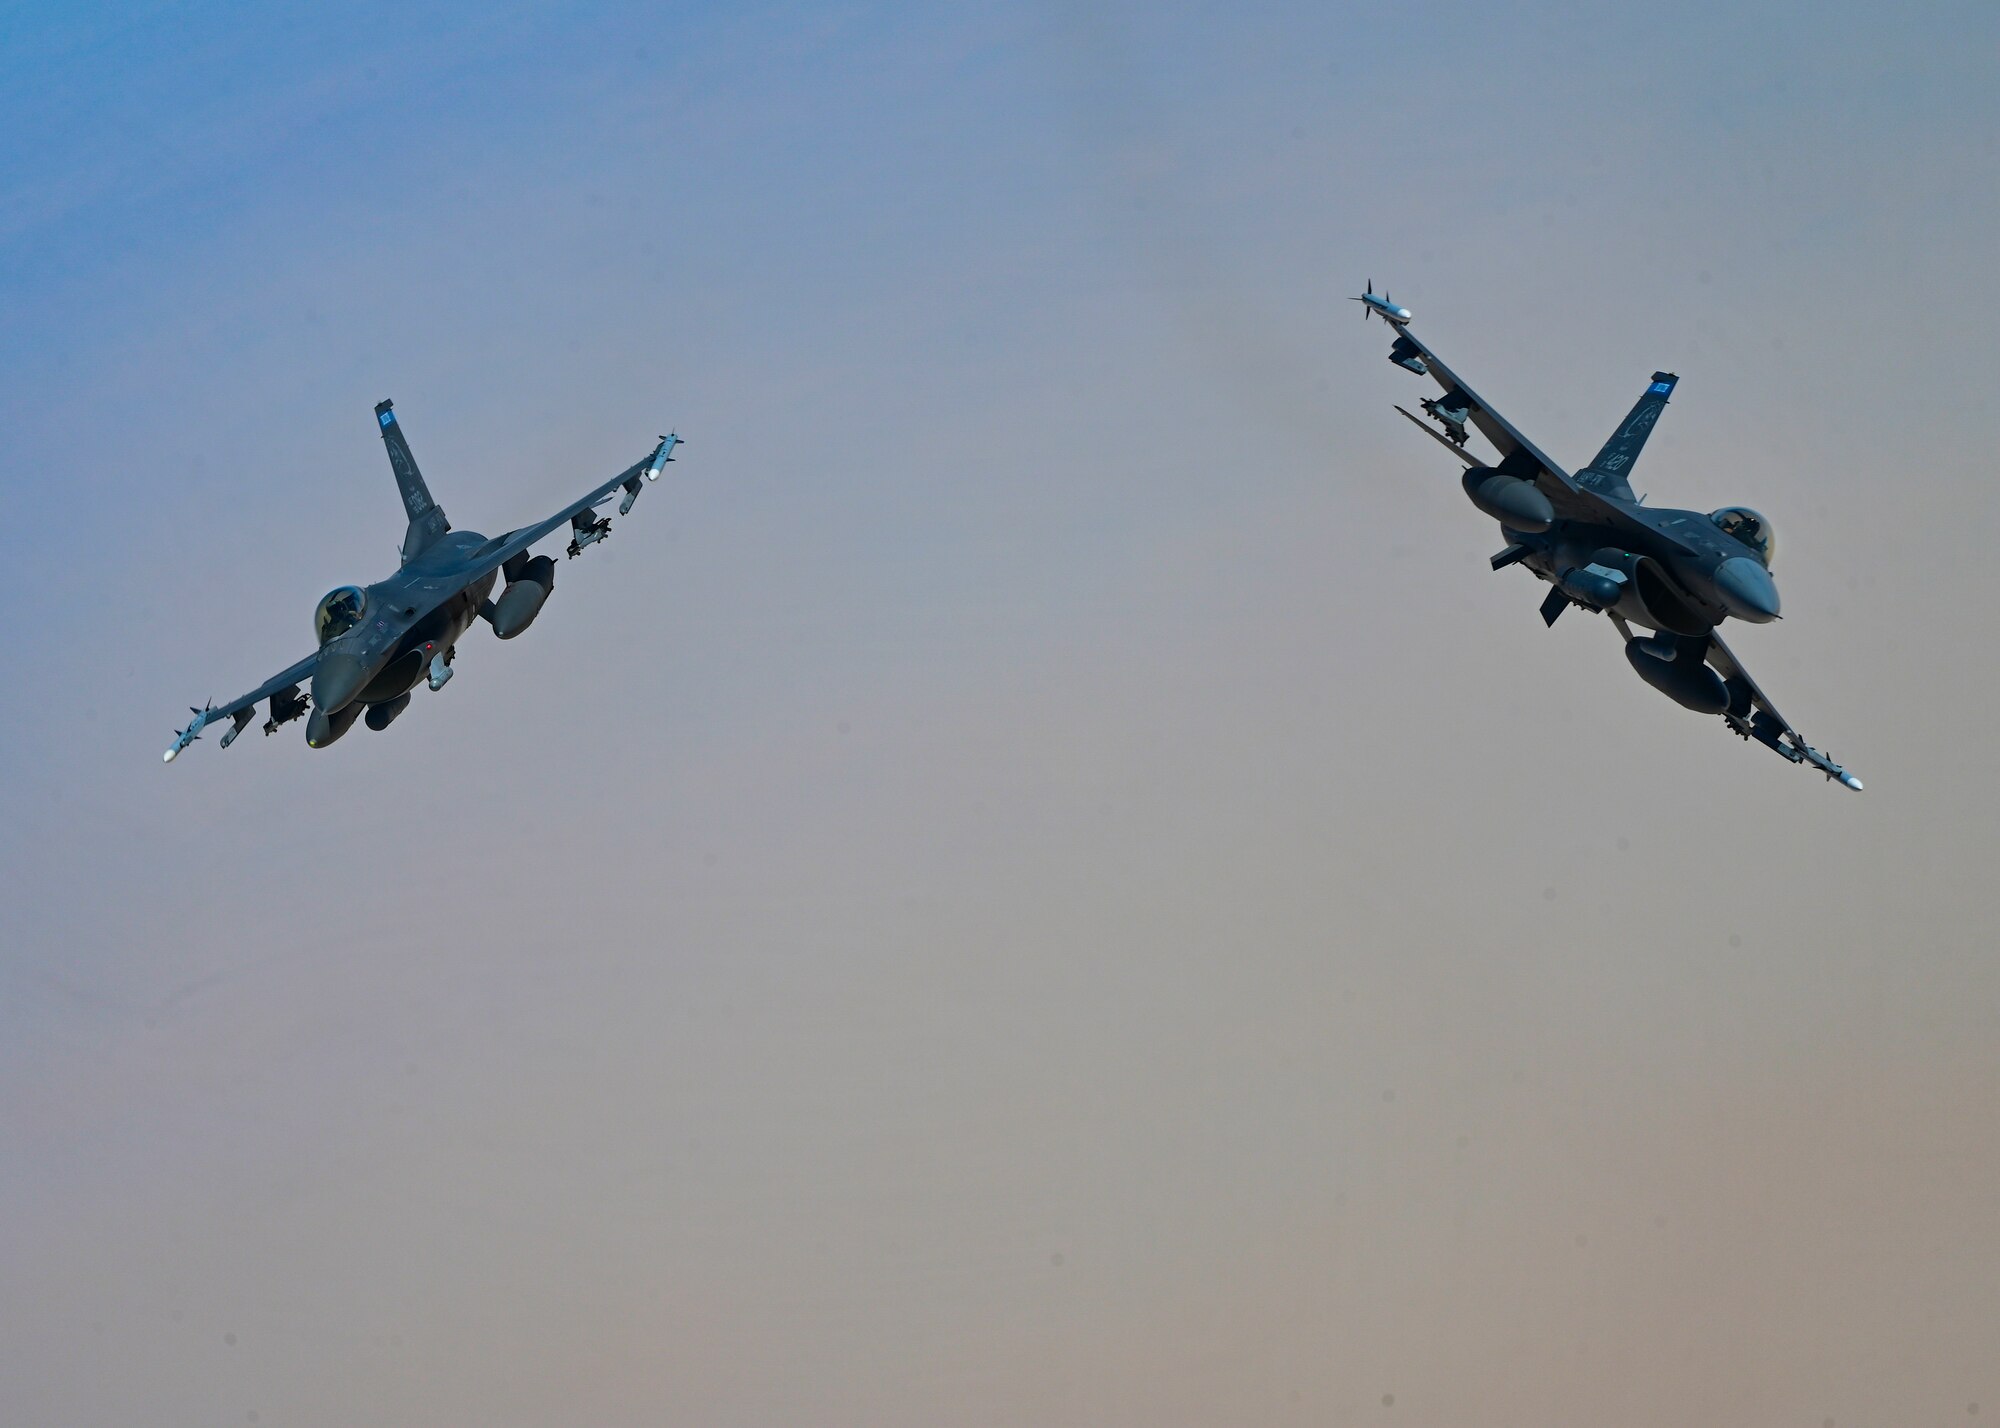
(1752, 715)
(1518, 456)
(243, 708)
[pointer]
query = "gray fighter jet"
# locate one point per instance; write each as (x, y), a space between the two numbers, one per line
(377, 641)
(1678, 574)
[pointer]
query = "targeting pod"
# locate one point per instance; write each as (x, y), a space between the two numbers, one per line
(381, 716)
(323, 728)
(1598, 586)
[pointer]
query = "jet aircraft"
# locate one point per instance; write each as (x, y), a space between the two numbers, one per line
(377, 641)
(1678, 574)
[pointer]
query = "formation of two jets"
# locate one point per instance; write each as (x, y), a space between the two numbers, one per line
(1676, 574)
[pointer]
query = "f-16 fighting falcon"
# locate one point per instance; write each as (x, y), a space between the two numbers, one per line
(377, 641)
(1678, 574)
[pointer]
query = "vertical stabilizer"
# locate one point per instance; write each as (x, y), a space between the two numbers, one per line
(1610, 471)
(427, 522)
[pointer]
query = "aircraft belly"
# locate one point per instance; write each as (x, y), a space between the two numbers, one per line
(440, 629)
(394, 678)
(1579, 557)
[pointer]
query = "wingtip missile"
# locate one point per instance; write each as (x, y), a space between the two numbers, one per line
(184, 737)
(655, 464)
(1381, 306)
(1825, 764)
(1800, 752)
(1833, 770)
(662, 454)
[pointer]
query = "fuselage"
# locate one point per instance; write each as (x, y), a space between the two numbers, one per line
(405, 621)
(1668, 570)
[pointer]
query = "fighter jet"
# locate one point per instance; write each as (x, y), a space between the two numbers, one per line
(1678, 574)
(377, 641)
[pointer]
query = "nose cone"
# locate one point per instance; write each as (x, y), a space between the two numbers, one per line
(1747, 589)
(336, 681)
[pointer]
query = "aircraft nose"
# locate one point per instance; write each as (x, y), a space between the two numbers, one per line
(336, 681)
(1747, 589)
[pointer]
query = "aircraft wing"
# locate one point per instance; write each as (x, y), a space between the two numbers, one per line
(1753, 715)
(242, 708)
(1518, 455)
(502, 549)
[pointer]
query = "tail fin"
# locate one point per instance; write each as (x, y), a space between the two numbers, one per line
(1609, 470)
(427, 522)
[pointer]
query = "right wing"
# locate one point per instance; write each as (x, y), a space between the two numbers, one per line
(244, 707)
(1752, 715)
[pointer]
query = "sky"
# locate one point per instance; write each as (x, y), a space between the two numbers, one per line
(1038, 879)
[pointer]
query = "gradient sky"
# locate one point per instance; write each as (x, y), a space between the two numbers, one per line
(1039, 879)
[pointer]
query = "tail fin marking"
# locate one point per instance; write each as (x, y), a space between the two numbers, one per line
(427, 521)
(1610, 470)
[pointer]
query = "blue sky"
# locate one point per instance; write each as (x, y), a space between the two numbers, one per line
(1038, 878)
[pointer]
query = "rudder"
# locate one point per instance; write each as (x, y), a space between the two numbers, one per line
(427, 522)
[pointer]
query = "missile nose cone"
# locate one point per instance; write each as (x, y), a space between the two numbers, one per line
(1747, 589)
(336, 681)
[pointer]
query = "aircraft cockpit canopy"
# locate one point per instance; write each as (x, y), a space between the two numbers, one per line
(1750, 528)
(339, 612)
